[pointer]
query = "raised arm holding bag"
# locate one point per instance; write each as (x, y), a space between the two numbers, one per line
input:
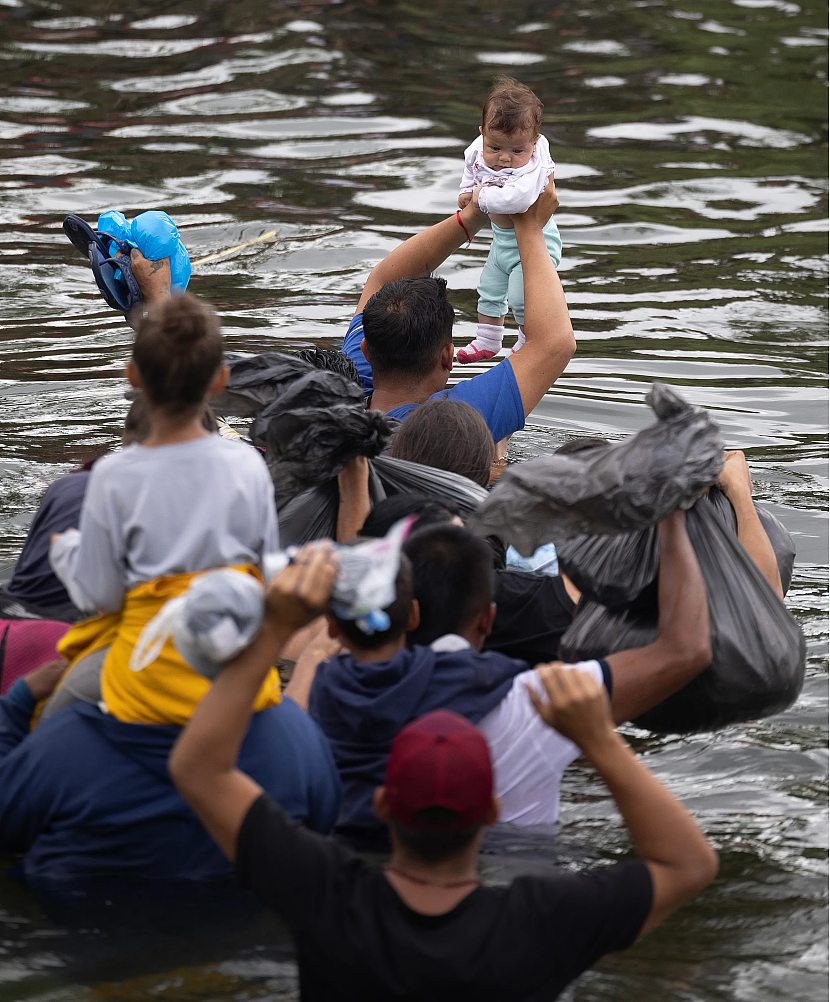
(758, 649)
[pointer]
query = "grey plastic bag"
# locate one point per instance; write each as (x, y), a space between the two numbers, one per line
(620, 487)
(313, 514)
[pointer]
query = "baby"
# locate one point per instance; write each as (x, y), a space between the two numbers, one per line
(505, 170)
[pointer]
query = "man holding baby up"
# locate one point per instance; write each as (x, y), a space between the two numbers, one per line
(401, 335)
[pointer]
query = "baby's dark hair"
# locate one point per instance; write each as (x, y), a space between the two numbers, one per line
(398, 613)
(512, 107)
(177, 350)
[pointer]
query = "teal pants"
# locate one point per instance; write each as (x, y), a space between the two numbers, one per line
(502, 284)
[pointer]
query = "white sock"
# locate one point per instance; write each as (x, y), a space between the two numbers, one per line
(520, 340)
(488, 338)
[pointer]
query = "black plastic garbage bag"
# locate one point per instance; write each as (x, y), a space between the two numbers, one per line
(598, 631)
(615, 488)
(611, 570)
(456, 492)
(256, 381)
(310, 515)
(313, 514)
(315, 428)
(758, 649)
(614, 570)
(312, 422)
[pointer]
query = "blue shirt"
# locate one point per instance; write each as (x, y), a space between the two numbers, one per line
(494, 393)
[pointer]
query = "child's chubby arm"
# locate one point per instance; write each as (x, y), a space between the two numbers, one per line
(464, 199)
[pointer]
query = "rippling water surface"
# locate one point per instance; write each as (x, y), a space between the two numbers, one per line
(688, 136)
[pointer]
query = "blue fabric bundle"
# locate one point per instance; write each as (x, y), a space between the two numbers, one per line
(155, 234)
(361, 707)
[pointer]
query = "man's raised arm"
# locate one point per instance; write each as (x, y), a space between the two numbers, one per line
(680, 861)
(645, 676)
(423, 253)
(550, 338)
(203, 761)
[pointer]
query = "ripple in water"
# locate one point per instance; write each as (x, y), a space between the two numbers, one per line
(693, 191)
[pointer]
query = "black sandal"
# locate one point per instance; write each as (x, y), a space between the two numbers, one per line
(113, 274)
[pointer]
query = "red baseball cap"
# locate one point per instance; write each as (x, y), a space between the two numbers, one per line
(439, 760)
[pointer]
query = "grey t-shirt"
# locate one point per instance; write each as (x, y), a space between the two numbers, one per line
(172, 509)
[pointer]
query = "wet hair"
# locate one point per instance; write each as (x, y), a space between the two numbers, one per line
(177, 350)
(512, 107)
(432, 846)
(406, 324)
(398, 613)
(332, 361)
(391, 510)
(448, 435)
(453, 579)
(577, 445)
(137, 422)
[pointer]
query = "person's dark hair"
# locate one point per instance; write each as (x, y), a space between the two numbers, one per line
(512, 107)
(453, 579)
(449, 435)
(332, 361)
(391, 510)
(177, 350)
(432, 846)
(398, 613)
(137, 422)
(577, 445)
(406, 324)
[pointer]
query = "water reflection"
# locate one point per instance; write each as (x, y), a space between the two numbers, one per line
(692, 180)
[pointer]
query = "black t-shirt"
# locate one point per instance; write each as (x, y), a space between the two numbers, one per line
(532, 613)
(357, 940)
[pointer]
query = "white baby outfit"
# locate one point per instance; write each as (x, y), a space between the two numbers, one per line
(506, 192)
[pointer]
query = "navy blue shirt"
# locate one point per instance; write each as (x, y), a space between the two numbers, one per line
(494, 393)
(33, 579)
(85, 794)
(361, 707)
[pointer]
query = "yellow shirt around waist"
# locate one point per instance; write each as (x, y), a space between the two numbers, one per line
(166, 691)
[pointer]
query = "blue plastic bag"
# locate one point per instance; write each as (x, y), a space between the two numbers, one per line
(155, 234)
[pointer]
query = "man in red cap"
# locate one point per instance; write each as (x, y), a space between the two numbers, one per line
(424, 927)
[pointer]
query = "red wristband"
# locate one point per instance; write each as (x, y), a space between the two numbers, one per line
(463, 227)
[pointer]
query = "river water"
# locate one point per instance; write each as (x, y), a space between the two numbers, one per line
(691, 174)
